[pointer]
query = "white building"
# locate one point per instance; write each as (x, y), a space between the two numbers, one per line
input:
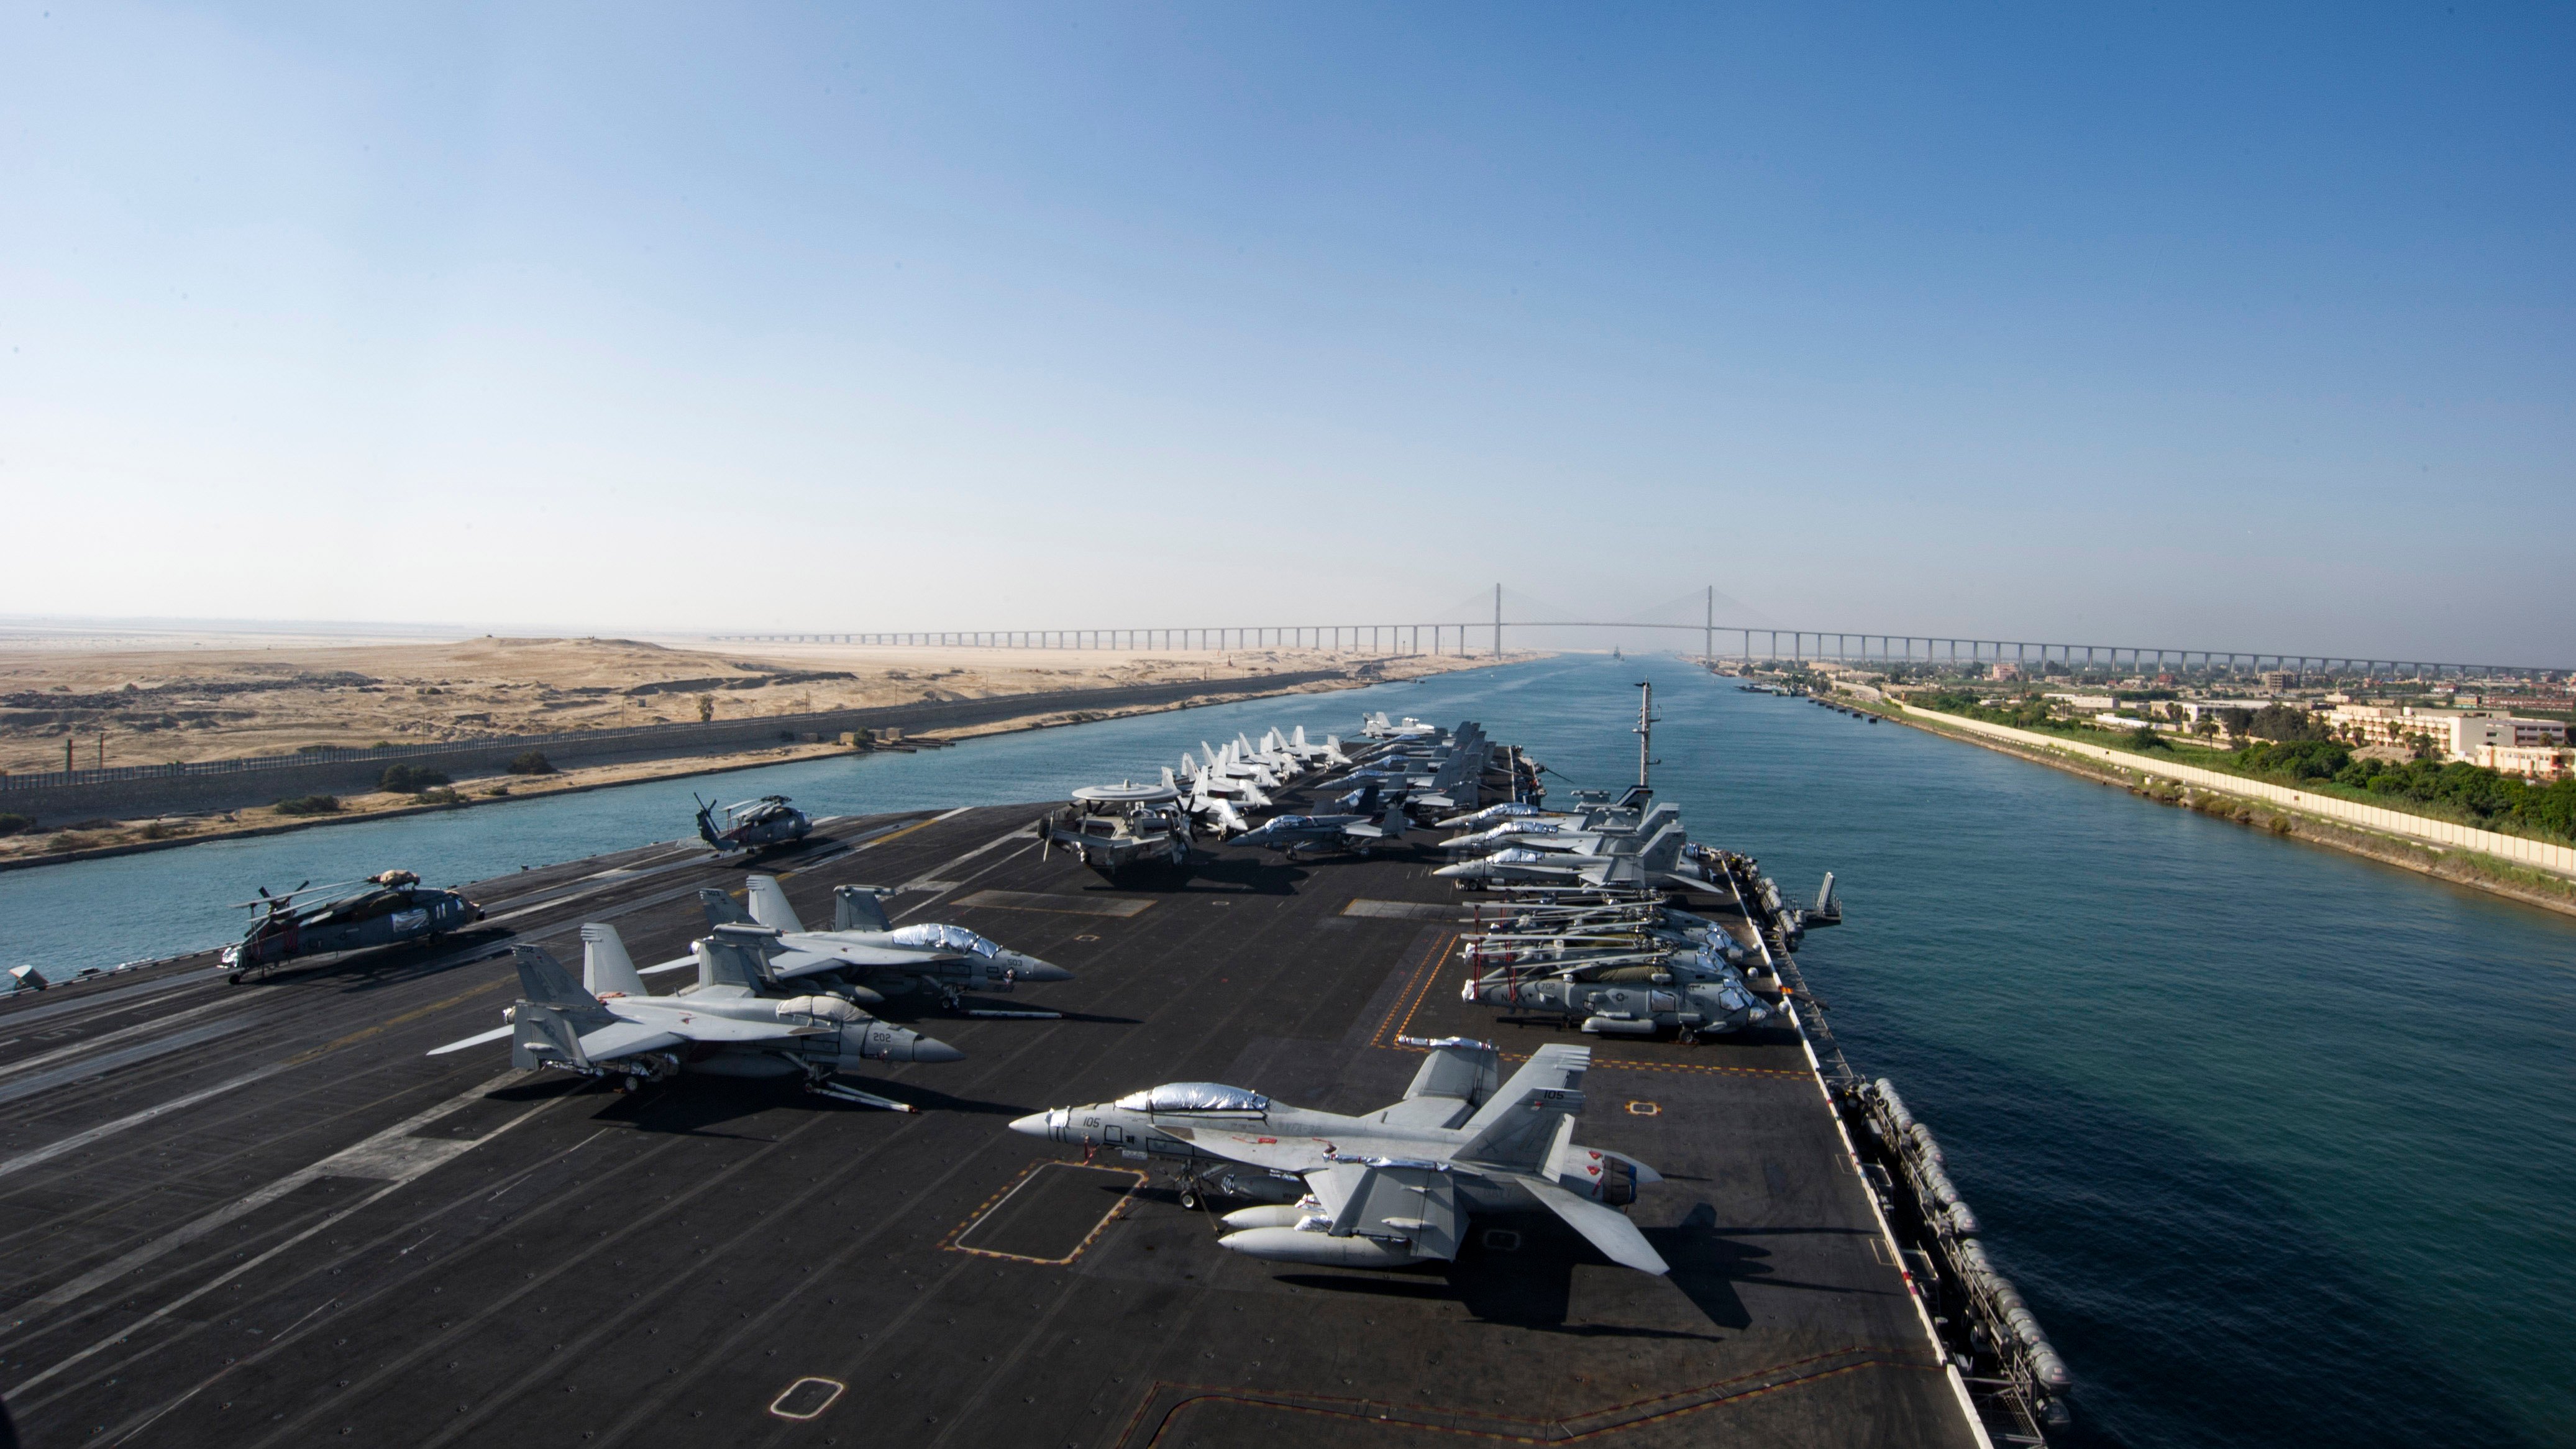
(2540, 763)
(2458, 734)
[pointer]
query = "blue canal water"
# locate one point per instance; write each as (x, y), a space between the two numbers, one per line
(2279, 1143)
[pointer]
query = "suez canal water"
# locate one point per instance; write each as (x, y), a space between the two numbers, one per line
(2280, 1143)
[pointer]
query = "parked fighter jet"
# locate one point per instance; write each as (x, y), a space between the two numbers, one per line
(867, 950)
(1215, 808)
(1650, 864)
(1493, 815)
(1295, 836)
(752, 824)
(1315, 756)
(1446, 777)
(1236, 762)
(624, 1034)
(1601, 838)
(381, 910)
(1206, 782)
(1391, 1187)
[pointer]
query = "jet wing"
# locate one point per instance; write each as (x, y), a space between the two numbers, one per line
(625, 1039)
(789, 964)
(690, 1026)
(1608, 1230)
(1413, 1201)
(480, 1037)
(1428, 1114)
(1285, 1154)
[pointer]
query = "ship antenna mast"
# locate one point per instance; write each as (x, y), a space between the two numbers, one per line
(1645, 731)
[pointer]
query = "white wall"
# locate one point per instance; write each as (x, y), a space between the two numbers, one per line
(2557, 859)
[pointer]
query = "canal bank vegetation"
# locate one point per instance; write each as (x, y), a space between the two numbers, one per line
(2281, 746)
(2461, 866)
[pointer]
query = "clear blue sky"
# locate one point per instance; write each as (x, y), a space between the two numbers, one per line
(2234, 326)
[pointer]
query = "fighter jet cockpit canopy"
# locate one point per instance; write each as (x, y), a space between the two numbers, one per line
(1194, 1097)
(940, 937)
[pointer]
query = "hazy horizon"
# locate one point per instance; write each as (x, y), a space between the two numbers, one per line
(2194, 328)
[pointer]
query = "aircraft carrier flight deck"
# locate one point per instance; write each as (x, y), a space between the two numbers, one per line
(260, 1214)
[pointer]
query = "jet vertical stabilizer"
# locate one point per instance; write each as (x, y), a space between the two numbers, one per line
(860, 908)
(605, 966)
(720, 908)
(769, 904)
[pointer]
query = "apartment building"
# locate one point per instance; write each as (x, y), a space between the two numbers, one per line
(2538, 762)
(2459, 734)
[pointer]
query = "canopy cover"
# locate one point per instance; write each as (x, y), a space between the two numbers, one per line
(1194, 1097)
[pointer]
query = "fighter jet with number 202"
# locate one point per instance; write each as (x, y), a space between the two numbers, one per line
(1391, 1187)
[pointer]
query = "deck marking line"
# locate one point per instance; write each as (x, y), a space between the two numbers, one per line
(153, 990)
(79, 1140)
(415, 1014)
(1518, 1429)
(107, 1062)
(392, 1156)
(1029, 1174)
(1119, 906)
(939, 873)
(120, 1034)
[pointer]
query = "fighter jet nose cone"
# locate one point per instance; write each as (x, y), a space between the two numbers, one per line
(932, 1049)
(1033, 969)
(1032, 1125)
(1460, 871)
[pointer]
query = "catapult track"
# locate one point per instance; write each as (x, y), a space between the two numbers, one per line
(259, 1215)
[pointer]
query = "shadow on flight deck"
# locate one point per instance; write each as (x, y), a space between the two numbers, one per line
(1518, 1270)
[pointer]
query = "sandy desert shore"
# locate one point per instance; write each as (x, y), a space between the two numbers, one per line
(149, 698)
(228, 696)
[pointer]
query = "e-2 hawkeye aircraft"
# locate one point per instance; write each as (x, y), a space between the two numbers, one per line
(613, 1028)
(1390, 1187)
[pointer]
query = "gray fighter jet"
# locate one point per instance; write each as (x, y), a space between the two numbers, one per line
(616, 1029)
(1391, 1187)
(1595, 832)
(1615, 861)
(868, 951)
(1299, 836)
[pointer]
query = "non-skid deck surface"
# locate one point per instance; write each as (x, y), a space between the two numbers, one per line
(300, 1229)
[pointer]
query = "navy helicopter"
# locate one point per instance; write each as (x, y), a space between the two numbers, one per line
(382, 910)
(752, 824)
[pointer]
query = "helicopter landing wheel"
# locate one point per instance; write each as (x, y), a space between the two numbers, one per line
(1689, 1036)
(234, 979)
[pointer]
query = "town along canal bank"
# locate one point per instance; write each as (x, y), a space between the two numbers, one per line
(2460, 866)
